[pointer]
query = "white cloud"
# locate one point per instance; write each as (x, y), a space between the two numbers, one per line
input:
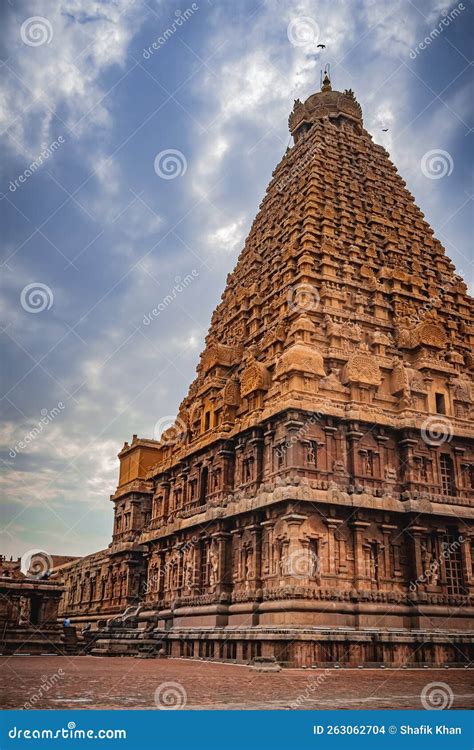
(125, 379)
(229, 237)
(57, 86)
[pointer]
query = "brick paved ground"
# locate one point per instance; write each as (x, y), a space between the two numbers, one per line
(96, 682)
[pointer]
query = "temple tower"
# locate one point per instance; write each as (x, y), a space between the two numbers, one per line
(318, 484)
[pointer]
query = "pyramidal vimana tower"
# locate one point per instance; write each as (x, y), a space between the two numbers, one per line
(313, 500)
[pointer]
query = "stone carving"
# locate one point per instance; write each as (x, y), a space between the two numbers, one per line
(213, 565)
(254, 378)
(332, 382)
(455, 357)
(328, 103)
(333, 330)
(231, 393)
(195, 412)
(25, 610)
(400, 379)
(362, 368)
(188, 567)
(463, 390)
(219, 354)
(296, 411)
(380, 341)
(427, 333)
(301, 358)
(431, 334)
(352, 331)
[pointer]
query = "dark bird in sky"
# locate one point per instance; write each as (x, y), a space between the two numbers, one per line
(384, 130)
(322, 46)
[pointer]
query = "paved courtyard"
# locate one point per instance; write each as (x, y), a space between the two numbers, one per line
(99, 682)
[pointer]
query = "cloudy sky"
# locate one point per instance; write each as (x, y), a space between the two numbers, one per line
(99, 226)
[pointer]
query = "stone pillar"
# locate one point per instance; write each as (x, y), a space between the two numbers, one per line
(133, 503)
(165, 486)
(383, 459)
(353, 437)
(172, 497)
(331, 448)
(183, 479)
(161, 573)
(221, 539)
(293, 430)
(467, 560)
(257, 554)
(332, 524)
(341, 450)
(294, 549)
(195, 558)
(342, 555)
(407, 444)
(387, 531)
(257, 444)
(268, 451)
(397, 572)
(168, 570)
(267, 565)
(227, 457)
(238, 464)
(236, 535)
(457, 461)
(415, 539)
(360, 577)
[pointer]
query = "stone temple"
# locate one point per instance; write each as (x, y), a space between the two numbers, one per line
(313, 501)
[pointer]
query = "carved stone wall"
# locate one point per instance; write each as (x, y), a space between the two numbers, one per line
(324, 452)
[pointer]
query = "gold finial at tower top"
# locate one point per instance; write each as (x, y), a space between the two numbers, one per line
(326, 81)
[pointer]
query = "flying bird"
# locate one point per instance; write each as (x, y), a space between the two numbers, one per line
(384, 130)
(322, 46)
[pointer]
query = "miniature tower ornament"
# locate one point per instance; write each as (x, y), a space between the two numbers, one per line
(326, 85)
